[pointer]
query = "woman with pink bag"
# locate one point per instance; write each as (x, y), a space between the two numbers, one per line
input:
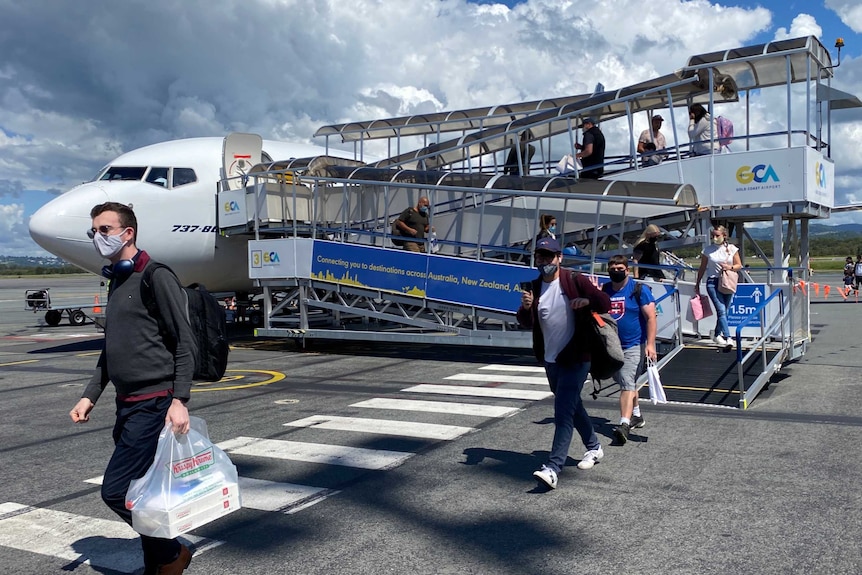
(717, 260)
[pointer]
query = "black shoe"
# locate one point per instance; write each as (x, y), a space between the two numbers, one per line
(178, 565)
(621, 433)
(637, 422)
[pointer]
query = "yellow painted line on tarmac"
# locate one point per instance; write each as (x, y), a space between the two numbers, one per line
(19, 362)
(274, 377)
(708, 390)
(89, 353)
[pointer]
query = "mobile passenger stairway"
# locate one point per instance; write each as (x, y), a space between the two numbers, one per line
(319, 230)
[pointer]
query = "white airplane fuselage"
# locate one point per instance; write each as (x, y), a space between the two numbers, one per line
(176, 224)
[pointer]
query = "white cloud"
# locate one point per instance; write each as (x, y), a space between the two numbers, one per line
(802, 25)
(850, 12)
(101, 78)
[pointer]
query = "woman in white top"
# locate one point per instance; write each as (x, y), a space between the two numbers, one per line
(703, 141)
(715, 259)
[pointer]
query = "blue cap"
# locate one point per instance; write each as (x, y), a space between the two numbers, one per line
(587, 121)
(548, 244)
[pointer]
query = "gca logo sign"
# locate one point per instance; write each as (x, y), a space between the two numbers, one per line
(760, 173)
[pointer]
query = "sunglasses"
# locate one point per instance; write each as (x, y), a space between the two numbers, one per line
(91, 233)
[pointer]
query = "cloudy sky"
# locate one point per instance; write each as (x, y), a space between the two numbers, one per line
(82, 82)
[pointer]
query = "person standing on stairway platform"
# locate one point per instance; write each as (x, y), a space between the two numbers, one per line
(715, 259)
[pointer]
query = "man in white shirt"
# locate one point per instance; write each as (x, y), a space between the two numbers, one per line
(557, 307)
(655, 136)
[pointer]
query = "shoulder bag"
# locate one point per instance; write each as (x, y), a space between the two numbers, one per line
(606, 352)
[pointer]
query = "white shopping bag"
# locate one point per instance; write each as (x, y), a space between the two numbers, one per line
(656, 391)
(190, 483)
(569, 165)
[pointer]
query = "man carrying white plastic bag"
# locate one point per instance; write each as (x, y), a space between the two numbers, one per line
(150, 363)
(191, 483)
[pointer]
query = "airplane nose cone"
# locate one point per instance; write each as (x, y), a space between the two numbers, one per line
(60, 226)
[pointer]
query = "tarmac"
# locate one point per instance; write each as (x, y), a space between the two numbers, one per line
(699, 490)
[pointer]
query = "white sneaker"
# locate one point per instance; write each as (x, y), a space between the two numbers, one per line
(547, 476)
(719, 339)
(591, 457)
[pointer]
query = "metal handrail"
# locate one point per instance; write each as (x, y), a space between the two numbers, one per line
(764, 334)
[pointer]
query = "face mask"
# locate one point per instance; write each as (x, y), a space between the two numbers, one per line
(652, 240)
(552, 229)
(423, 210)
(718, 241)
(617, 276)
(548, 269)
(108, 246)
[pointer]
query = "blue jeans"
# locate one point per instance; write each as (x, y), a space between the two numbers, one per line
(721, 301)
(136, 436)
(569, 411)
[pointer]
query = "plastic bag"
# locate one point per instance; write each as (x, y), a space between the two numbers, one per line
(656, 391)
(569, 165)
(700, 307)
(433, 244)
(190, 483)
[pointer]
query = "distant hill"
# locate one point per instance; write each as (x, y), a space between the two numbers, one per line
(32, 261)
(36, 265)
(814, 230)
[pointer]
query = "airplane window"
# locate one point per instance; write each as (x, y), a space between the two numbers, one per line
(123, 173)
(183, 176)
(158, 176)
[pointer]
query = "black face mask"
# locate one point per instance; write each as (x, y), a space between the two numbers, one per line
(547, 269)
(617, 276)
(652, 240)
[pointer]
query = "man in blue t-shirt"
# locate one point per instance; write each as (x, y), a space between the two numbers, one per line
(633, 306)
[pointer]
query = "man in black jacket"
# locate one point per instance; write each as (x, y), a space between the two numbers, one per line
(560, 317)
(151, 371)
(592, 151)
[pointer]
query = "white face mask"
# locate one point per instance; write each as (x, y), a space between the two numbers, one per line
(718, 241)
(108, 246)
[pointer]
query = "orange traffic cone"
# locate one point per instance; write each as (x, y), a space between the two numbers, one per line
(802, 287)
(826, 289)
(96, 307)
(816, 287)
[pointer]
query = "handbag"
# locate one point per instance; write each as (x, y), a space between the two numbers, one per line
(605, 349)
(727, 281)
(700, 307)
(656, 390)
(190, 483)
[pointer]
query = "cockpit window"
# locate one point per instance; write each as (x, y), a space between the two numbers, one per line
(114, 173)
(183, 176)
(158, 176)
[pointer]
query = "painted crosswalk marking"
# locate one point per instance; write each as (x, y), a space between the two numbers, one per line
(438, 407)
(383, 427)
(274, 496)
(100, 543)
(499, 378)
(479, 391)
(316, 452)
(270, 495)
(518, 368)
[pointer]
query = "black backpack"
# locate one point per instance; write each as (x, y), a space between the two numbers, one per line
(208, 323)
(396, 234)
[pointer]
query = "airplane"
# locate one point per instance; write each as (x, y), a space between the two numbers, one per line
(172, 188)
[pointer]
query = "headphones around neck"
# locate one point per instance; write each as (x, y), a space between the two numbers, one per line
(120, 270)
